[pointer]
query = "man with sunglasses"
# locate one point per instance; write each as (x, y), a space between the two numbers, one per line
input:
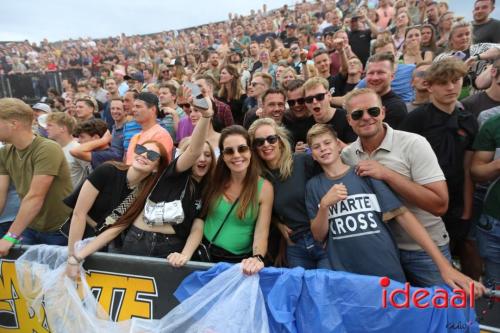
(297, 118)
(317, 99)
(407, 163)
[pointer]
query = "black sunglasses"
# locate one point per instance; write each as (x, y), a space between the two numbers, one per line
(185, 105)
(357, 114)
(271, 139)
(319, 97)
(231, 151)
(292, 102)
(151, 154)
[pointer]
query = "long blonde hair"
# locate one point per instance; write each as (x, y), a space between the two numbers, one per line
(286, 158)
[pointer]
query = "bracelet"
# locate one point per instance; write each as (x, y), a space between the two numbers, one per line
(13, 235)
(259, 257)
(11, 239)
(77, 259)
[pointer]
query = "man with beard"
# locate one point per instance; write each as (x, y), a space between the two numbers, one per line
(97, 91)
(260, 83)
(235, 60)
(252, 62)
(379, 75)
(484, 28)
(420, 86)
(213, 65)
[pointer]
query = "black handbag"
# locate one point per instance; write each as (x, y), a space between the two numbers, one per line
(209, 252)
(87, 233)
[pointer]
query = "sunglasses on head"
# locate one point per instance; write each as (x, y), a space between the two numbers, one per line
(231, 150)
(358, 114)
(255, 84)
(150, 154)
(292, 102)
(271, 139)
(319, 97)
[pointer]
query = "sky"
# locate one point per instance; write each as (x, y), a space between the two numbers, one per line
(63, 19)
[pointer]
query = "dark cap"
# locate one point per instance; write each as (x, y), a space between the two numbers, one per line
(137, 76)
(291, 26)
(149, 98)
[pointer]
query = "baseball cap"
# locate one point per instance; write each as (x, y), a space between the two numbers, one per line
(42, 107)
(137, 76)
(291, 26)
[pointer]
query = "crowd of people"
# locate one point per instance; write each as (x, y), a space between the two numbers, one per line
(343, 136)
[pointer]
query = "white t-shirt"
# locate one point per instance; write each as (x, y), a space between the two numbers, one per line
(79, 169)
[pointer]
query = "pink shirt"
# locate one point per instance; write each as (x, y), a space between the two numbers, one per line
(384, 16)
(155, 133)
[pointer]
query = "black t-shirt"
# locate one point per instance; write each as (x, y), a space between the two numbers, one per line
(479, 102)
(289, 40)
(450, 136)
(112, 186)
(250, 117)
(341, 126)
(486, 33)
(289, 194)
(395, 109)
(339, 85)
(298, 127)
(169, 188)
(360, 44)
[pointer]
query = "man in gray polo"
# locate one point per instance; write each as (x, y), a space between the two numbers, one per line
(407, 163)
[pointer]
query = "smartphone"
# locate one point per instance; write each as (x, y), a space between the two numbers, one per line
(198, 99)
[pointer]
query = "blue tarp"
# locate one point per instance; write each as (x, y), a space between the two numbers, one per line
(299, 300)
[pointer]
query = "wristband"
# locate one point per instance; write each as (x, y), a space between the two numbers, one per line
(13, 235)
(11, 239)
(77, 259)
(259, 257)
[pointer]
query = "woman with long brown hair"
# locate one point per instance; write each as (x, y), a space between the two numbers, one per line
(152, 229)
(109, 186)
(238, 204)
(231, 92)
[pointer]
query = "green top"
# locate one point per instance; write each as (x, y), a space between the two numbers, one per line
(488, 139)
(41, 157)
(236, 236)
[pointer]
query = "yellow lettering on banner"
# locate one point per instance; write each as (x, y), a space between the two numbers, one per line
(124, 293)
(16, 315)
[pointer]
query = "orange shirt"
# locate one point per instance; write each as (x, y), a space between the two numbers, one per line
(156, 133)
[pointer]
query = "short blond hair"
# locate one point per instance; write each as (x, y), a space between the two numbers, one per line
(63, 119)
(14, 108)
(358, 92)
(320, 129)
(314, 82)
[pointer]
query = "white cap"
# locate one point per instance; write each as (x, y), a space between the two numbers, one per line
(42, 107)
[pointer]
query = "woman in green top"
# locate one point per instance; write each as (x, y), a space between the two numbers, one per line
(242, 230)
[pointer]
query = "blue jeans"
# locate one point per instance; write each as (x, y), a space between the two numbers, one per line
(32, 237)
(139, 242)
(306, 252)
(488, 241)
(419, 268)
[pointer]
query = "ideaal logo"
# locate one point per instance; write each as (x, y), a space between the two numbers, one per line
(401, 298)
(122, 296)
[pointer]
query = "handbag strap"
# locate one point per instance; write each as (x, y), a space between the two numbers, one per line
(223, 222)
(121, 209)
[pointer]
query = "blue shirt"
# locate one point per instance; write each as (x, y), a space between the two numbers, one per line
(358, 239)
(11, 205)
(401, 85)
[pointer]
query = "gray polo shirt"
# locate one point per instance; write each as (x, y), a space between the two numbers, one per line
(412, 156)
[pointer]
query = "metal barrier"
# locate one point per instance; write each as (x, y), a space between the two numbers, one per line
(31, 87)
(126, 286)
